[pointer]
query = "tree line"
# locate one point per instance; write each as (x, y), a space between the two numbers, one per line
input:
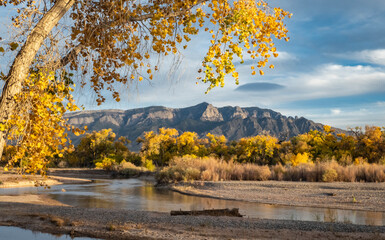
(104, 149)
(359, 146)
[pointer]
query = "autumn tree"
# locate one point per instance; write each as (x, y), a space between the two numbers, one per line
(99, 145)
(159, 147)
(371, 144)
(39, 131)
(114, 43)
(261, 149)
(188, 143)
(217, 146)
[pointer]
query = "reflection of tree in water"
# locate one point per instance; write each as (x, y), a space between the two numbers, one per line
(330, 215)
(375, 218)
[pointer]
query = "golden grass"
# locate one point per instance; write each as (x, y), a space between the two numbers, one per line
(189, 168)
(210, 169)
(333, 172)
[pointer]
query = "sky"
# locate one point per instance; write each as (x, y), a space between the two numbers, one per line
(331, 71)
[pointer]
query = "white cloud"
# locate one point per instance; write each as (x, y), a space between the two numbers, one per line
(327, 81)
(333, 80)
(284, 56)
(351, 117)
(381, 104)
(368, 56)
(335, 111)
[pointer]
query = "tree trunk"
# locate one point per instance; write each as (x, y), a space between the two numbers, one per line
(23, 60)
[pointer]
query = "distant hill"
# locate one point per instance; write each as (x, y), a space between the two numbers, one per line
(232, 122)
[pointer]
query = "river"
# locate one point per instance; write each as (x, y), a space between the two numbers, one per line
(142, 195)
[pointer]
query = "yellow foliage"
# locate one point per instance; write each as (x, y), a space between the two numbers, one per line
(106, 164)
(149, 165)
(158, 147)
(299, 159)
(328, 129)
(39, 129)
(360, 161)
(238, 29)
(258, 147)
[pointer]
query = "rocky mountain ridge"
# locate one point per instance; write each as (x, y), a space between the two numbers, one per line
(233, 122)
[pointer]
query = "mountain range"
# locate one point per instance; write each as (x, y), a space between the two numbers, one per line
(232, 122)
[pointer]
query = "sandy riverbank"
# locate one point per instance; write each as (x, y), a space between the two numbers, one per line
(340, 195)
(12, 180)
(42, 214)
(126, 224)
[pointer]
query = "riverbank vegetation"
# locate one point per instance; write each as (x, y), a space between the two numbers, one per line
(313, 156)
(189, 168)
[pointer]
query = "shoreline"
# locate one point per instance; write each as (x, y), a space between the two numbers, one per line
(337, 195)
(19, 181)
(40, 213)
(131, 224)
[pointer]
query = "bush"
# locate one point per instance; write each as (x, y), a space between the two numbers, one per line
(302, 172)
(148, 164)
(330, 175)
(106, 164)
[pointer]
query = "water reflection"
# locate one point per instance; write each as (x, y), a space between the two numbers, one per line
(15, 233)
(140, 195)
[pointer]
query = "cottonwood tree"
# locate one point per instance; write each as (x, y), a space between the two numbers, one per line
(111, 42)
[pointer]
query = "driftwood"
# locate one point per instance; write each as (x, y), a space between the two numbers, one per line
(210, 212)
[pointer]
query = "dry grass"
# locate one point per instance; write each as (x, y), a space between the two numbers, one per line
(58, 221)
(332, 172)
(210, 169)
(127, 169)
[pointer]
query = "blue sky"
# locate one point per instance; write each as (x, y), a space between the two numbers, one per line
(332, 71)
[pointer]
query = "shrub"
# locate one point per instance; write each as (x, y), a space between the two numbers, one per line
(345, 160)
(302, 172)
(360, 161)
(330, 175)
(370, 173)
(277, 172)
(148, 164)
(191, 174)
(106, 164)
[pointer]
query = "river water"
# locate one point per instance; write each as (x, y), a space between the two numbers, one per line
(141, 195)
(15, 233)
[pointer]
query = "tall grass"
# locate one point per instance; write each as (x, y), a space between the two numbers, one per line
(332, 172)
(189, 168)
(210, 169)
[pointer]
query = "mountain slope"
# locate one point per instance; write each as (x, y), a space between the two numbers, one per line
(233, 122)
